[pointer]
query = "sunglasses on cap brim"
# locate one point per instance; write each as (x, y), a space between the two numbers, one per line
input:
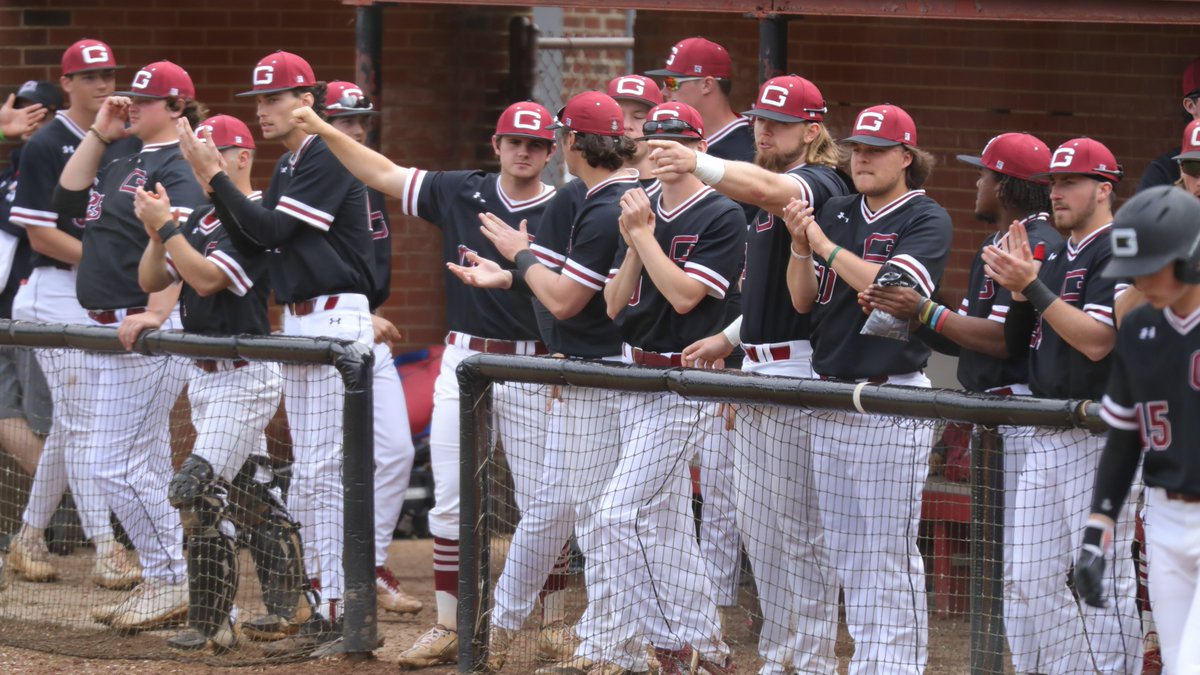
(674, 83)
(670, 125)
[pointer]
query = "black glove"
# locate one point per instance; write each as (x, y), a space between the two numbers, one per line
(1089, 567)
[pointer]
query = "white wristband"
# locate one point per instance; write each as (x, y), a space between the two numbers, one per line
(733, 332)
(710, 170)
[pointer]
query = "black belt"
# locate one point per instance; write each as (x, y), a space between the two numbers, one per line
(213, 365)
(1182, 497)
(109, 316)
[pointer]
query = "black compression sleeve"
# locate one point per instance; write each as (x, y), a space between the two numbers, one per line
(70, 203)
(938, 342)
(1018, 326)
(1118, 464)
(519, 285)
(269, 228)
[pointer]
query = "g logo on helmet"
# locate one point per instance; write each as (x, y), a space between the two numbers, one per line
(1063, 157)
(632, 86)
(664, 113)
(264, 75)
(94, 54)
(869, 121)
(142, 79)
(773, 94)
(527, 119)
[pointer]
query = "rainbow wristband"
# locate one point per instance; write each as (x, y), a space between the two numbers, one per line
(940, 321)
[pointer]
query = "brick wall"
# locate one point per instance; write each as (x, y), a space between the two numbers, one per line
(592, 68)
(965, 81)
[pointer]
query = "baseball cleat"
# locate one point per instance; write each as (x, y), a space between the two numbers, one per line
(390, 596)
(684, 661)
(192, 639)
(438, 646)
(499, 642)
(106, 613)
(28, 557)
(579, 665)
(116, 570)
(726, 667)
(314, 634)
(153, 604)
(556, 642)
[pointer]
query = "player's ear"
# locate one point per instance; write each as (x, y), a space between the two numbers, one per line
(496, 144)
(701, 146)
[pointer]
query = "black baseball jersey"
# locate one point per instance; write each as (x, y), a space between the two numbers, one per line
(381, 236)
(241, 308)
(19, 269)
(1154, 390)
(1072, 271)
(735, 141)
(769, 316)
(913, 232)
(553, 235)
(590, 248)
(113, 237)
(45, 156)
(652, 186)
(702, 236)
(986, 299)
(1162, 170)
(325, 241)
(453, 200)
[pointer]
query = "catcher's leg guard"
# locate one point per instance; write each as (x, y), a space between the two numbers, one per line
(274, 544)
(211, 553)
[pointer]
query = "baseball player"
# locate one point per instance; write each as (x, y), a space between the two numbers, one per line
(489, 321)
(1188, 159)
(637, 94)
(127, 438)
(776, 513)
(566, 275)
(1155, 242)
(1163, 170)
(874, 468)
(1069, 357)
(315, 214)
(225, 485)
(350, 111)
(1005, 193)
(666, 290)
(88, 77)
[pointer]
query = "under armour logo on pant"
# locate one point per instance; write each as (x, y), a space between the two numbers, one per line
(337, 320)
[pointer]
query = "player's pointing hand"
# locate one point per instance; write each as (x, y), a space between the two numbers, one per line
(671, 157)
(508, 241)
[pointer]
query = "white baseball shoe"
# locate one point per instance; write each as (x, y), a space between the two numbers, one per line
(390, 596)
(556, 642)
(153, 604)
(116, 569)
(438, 646)
(499, 642)
(28, 556)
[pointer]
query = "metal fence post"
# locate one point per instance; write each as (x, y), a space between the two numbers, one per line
(987, 552)
(360, 628)
(475, 524)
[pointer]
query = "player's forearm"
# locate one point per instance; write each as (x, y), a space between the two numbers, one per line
(152, 268)
(562, 296)
(1126, 302)
(1086, 335)
(368, 166)
(267, 228)
(679, 289)
(979, 335)
(197, 271)
(1118, 464)
(802, 283)
(619, 289)
(751, 184)
(80, 171)
(855, 271)
(162, 303)
(53, 242)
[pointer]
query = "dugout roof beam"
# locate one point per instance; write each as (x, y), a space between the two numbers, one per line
(1089, 11)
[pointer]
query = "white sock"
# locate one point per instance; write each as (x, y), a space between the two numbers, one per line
(447, 609)
(554, 607)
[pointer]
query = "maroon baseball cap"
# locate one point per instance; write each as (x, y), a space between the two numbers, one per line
(160, 79)
(696, 57)
(527, 119)
(88, 55)
(280, 71)
(674, 120)
(1086, 157)
(346, 99)
(592, 112)
(1021, 156)
(1189, 148)
(884, 126)
(227, 132)
(635, 88)
(789, 98)
(1191, 77)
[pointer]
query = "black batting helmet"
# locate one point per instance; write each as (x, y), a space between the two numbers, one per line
(1158, 226)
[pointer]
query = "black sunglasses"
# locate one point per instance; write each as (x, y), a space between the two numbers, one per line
(669, 125)
(1190, 166)
(353, 101)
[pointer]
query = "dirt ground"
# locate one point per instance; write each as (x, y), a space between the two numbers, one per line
(46, 628)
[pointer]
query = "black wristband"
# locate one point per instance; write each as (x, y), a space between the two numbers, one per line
(524, 260)
(167, 230)
(1039, 295)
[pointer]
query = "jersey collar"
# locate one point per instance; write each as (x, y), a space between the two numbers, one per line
(1073, 249)
(888, 209)
(303, 146)
(155, 147)
(674, 213)
(514, 205)
(1182, 324)
(620, 176)
(1001, 236)
(724, 131)
(70, 124)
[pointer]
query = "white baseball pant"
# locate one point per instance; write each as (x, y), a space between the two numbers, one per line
(1022, 638)
(777, 511)
(581, 448)
(314, 398)
(1053, 504)
(128, 448)
(660, 591)
(393, 450)
(872, 472)
(1173, 544)
(720, 547)
(49, 297)
(231, 408)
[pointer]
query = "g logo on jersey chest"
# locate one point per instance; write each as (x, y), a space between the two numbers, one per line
(682, 245)
(878, 247)
(987, 291)
(379, 227)
(135, 180)
(1072, 286)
